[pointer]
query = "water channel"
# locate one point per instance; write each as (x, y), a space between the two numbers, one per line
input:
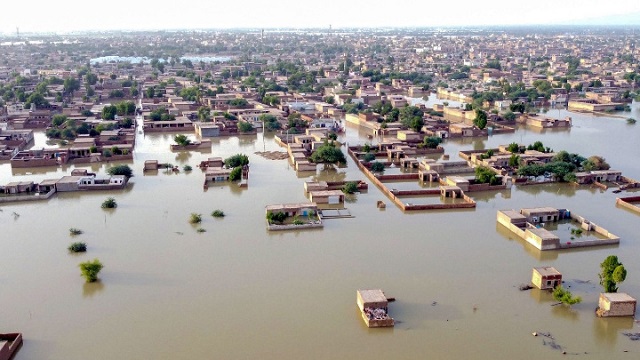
(237, 291)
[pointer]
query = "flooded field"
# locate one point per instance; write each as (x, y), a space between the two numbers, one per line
(237, 291)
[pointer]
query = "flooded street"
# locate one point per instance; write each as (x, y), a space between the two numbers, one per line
(237, 291)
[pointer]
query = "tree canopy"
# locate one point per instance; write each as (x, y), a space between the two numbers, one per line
(328, 153)
(612, 272)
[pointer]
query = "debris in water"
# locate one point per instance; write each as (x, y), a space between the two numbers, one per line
(524, 287)
(632, 336)
(434, 303)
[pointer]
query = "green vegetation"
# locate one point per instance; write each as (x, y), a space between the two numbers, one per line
(411, 118)
(377, 167)
(90, 270)
(77, 247)
(565, 296)
(110, 203)
(432, 142)
(201, 230)
(182, 140)
(480, 121)
(270, 122)
(187, 168)
(195, 218)
(513, 148)
(74, 231)
(350, 187)
(631, 121)
(236, 174)
(612, 272)
(244, 126)
(328, 153)
(218, 214)
(577, 232)
(368, 157)
(276, 217)
(484, 175)
(120, 170)
(236, 160)
(161, 114)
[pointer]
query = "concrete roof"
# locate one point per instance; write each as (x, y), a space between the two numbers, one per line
(618, 297)
(547, 270)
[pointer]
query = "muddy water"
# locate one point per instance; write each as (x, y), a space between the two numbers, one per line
(239, 292)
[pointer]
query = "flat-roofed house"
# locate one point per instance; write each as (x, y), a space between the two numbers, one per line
(546, 277)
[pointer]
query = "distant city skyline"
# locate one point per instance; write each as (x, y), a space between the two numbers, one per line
(70, 15)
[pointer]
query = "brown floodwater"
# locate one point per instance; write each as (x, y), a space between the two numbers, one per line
(237, 291)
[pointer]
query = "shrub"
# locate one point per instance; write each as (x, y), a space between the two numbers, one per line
(236, 160)
(218, 213)
(277, 217)
(74, 231)
(187, 168)
(201, 230)
(377, 167)
(90, 270)
(77, 247)
(565, 296)
(298, 222)
(350, 187)
(195, 218)
(110, 203)
(236, 174)
(369, 157)
(120, 170)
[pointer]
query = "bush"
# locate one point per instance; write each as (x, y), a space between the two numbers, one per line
(90, 270)
(276, 217)
(432, 142)
(195, 218)
(369, 157)
(236, 174)
(350, 187)
(236, 160)
(74, 231)
(377, 167)
(77, 247)
(565, 296)
(110, 203)
(120, 170)
(218, 213)
(187, 168)
(201, 230)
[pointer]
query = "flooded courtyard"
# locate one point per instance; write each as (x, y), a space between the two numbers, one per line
(238, 291)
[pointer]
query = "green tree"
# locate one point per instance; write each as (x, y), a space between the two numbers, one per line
(432, 142)
(565, 296)
(90, 270)
(595, 163)
(58, 120)
(612, 272)
(350, 187)
(120, 170)
(181, 140)
(110, 203)
(514, 160)
(411, 118)
(109, 112)
(236, 174)
(204, 112)
(484, 175)
(328, 153)
(509, 116)
(480, 121)
(377, 167)
(244, 126)
(70, 85)
(236, 161)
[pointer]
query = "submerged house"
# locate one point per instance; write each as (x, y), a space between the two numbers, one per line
(373, 305)
(546, 277)
(616, 304)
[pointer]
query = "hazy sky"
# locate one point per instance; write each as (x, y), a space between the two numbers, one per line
(69, 15)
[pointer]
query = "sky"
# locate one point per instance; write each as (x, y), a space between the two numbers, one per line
(72, 15)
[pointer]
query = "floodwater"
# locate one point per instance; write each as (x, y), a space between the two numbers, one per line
(237, 291)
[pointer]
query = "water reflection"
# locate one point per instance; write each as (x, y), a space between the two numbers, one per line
(485, 196)
(606, 331)
(566, 313)
(529, 249)
(90, 289)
